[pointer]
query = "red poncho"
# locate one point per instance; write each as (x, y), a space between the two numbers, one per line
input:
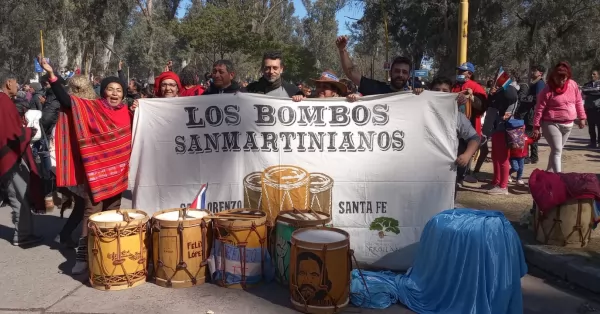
(14, 145)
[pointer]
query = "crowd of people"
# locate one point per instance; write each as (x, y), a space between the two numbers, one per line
(73, 112)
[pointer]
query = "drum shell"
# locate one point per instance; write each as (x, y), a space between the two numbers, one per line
(569, 224)
(252, 192)
(321, 198)
(276, 198)
(104, 242)
(166, 244)
(333, 291)
(284, 227)
(227, 234)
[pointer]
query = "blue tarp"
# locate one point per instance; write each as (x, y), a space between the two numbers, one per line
(469, 261)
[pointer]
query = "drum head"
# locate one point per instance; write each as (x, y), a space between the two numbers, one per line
(320, 236)
(320, 182)
(113, 216)
(174, 215)
(285, 177)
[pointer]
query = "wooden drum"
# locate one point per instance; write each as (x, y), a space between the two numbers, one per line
(117, 252)
(320, 192)
(284, 188)
(287, 222)
(180, 247)
(239, 255)
(568, 225)
(320, 270)
(253, 191)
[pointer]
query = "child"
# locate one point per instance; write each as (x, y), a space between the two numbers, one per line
(517, 160)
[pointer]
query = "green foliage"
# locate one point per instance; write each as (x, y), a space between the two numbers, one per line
(385, 224)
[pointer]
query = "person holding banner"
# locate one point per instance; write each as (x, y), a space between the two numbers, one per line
(558, 105)
(167, 85)
(222, 79)
(468, 137)
(271, 83)
(400, 72)
(327, 86)
(107, 120)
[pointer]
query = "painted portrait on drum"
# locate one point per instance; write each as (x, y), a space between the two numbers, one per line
(312, 279)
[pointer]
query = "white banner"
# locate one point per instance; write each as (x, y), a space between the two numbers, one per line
(382, 166)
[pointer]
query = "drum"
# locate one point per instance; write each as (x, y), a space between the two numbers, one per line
(180, 247)
(253, 191)
(239, 257)
(117, 252)
(320, 270)
(568, 225)
(287, 222)
(284, 188)
(320, 192)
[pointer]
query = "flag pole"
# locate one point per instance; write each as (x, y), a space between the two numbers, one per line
(463, 23)
(42, 42)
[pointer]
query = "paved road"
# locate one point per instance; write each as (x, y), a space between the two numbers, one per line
(37, 280)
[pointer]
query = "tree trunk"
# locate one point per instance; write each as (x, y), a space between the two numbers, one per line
(77, 63)
(63, 56)
(109, 41)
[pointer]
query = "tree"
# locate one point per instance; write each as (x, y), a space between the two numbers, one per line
(385, 224)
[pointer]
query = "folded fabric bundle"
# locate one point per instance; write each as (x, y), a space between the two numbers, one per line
(380, 291)
(469, 261)
(550, 189)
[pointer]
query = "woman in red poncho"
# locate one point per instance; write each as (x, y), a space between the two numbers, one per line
(93, 146)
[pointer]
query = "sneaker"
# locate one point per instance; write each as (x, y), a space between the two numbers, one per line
(520, 182)
(29, 240)
(470, 179)
(510, 179)
(498, 191)
(80, 267)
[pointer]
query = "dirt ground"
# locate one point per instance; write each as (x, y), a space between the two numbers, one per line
(576, 158)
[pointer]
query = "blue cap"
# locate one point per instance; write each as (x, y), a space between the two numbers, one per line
(467, 66)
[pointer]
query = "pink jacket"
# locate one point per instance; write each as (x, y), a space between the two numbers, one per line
(564, 108)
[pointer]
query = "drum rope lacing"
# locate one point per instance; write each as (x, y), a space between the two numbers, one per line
(181, 265)
(113, 234)
(241, 247)
(283, 199)
(558, 223)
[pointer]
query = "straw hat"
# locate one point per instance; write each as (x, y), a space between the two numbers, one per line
(329, 76)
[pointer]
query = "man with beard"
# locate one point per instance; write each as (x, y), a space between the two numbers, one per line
(311, 276)
(222, 76)
(271, 82)
(399, 72)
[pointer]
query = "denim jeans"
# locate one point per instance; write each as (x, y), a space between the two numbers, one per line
(516, 165)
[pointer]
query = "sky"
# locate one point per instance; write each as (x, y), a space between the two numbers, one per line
(348, 14)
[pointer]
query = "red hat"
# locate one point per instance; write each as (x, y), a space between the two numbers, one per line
(166, 76)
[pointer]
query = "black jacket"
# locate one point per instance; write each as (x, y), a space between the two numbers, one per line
(49, 113)
(212, 90)
(262, 86)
